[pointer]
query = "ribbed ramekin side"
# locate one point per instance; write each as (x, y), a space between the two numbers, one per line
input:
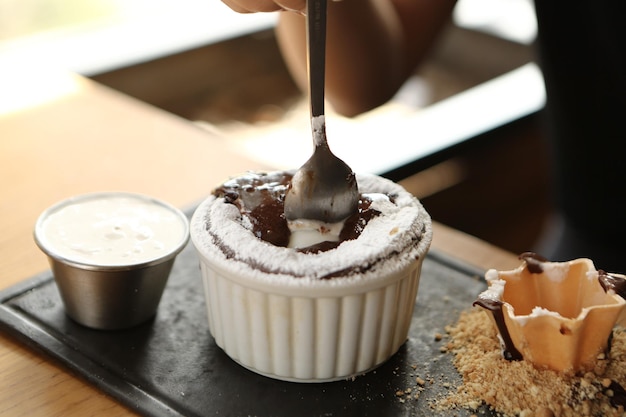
(385, 320)
(309, 339)
(406, 303)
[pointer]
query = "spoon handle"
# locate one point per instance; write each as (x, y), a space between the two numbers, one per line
(316, 34)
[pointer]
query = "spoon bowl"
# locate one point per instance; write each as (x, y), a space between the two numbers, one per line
(325, 187)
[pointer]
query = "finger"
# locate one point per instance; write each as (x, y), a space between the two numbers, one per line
(292, 5)
(266, 6)
(235, 6)
(247, 6)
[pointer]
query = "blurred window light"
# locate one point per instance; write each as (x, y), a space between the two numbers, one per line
(513, 20)
(90, 36)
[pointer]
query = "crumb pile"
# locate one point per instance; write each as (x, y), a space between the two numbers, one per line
(518, 389)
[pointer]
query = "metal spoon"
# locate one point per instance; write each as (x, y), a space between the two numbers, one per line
(325, 187)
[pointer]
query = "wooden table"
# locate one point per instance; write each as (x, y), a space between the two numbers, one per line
(61, 135)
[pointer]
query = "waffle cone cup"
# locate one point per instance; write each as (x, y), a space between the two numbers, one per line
(557, 315)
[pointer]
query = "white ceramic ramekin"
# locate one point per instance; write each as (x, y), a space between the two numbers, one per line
(305, 329)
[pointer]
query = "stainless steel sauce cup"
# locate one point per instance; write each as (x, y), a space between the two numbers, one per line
(111, 295)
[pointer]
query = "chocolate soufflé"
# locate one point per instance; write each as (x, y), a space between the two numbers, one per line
(309, 312)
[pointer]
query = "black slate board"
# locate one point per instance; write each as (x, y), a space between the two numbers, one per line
(171, 366)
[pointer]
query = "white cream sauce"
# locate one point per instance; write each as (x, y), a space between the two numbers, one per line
(113, 230)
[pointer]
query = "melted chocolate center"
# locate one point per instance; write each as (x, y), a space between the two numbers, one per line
(260, 197)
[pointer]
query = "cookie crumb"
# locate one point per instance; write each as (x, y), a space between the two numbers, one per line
(544, 412)
(517, 388)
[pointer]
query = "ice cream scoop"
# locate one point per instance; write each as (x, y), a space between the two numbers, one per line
(324, 188)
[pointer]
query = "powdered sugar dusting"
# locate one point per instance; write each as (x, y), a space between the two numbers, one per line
(402, 232)
(495, 290)
(318, 124)
(556, 271)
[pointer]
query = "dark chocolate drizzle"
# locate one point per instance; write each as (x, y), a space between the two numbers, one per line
(533, 262)
(509, 351)
(612, 283)
(618, 397)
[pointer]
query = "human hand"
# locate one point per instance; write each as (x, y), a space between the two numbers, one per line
(253, 6)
